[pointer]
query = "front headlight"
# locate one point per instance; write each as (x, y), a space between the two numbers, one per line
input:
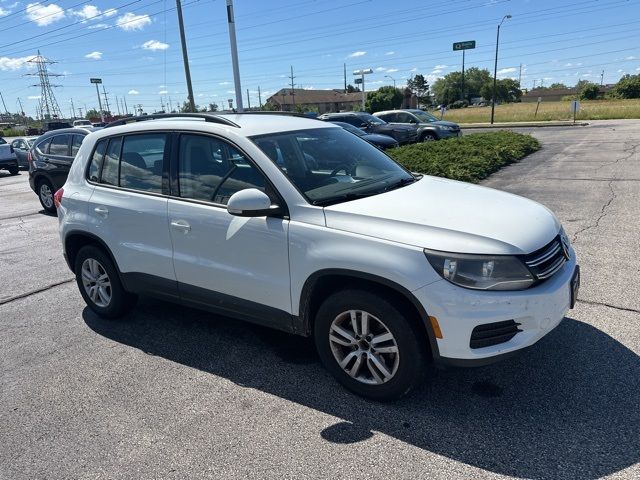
(481, 272)
(445, 127)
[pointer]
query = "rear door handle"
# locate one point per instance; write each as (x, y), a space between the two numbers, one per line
(104, 211)
(181, 225)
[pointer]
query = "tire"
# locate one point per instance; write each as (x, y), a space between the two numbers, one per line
(99, 283)
(429, 137)
(45, 195)
(14, 170)
(401, 371)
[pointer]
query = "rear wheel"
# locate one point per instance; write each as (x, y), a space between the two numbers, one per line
(14, 170)
(369, 344)
(45, 194)
(100, 285)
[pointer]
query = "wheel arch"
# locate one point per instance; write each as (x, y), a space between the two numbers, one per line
(428, 130)
(327, 281)
(76, 239)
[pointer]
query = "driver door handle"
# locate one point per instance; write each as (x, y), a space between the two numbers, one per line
(181, 225)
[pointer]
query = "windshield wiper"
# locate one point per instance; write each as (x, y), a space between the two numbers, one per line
(343, 198)
(401, 183)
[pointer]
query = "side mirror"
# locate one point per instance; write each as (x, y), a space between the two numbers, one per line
(251, 202)
(11, 149)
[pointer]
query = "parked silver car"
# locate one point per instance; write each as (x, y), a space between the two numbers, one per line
(21, 147)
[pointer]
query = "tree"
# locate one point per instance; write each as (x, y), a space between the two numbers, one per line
(213, 107)
(419, 85)
(385, 98)
(352, 89)
(448, 89)
(558, 85)
(269, 107)
(590, 91)
(93, 113)
(507, 90)
(627, 87)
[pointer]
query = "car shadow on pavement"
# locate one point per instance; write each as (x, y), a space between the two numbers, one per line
(569, 407)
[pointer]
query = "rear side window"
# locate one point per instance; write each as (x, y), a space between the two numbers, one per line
(388, 117)
(76, 141)
(141, 165)
(59, 145)
(96, 161)
(43, 147)
(353, 120)
(111, 162)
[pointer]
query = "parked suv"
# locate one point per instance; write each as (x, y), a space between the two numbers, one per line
(50, 158)
(387, 270)
(370, 124)
(429, 127)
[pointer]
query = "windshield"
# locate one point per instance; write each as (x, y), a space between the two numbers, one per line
(2, 141)
(330, 165)
(374, 120)
(425, 117)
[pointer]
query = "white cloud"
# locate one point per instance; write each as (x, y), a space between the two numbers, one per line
(94, 55)
(391, 70)
(34, 97)
(130, 21)
(359, 53)
(91, 12)
(3, 12)
(414, 69)
(98, 25)
(437, 70)
(133, 92)
(630, 58)
(224, 83)
(380, 69)
(7, 63)
(163, 92)
(439, 67)
(390, 53)
(308, 87)
(502, 71)
(43, 15)
(155, 45)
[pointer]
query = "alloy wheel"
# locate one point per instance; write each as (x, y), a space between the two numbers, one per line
(96, 282)
(46, 195)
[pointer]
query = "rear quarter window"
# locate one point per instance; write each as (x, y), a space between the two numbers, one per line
(96, 161)
(111, 163)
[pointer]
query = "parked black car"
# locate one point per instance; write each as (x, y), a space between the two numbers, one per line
(51, 157)
(381, 141)
(429, 127)
(21, 147)
(370, 124)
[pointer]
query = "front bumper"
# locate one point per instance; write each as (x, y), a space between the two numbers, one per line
(449, 133)
(537, 310)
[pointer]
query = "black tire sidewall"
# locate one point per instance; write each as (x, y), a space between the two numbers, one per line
(429, 135)
(121, 300)
(14, 170)
(41, 182)
(412, 358)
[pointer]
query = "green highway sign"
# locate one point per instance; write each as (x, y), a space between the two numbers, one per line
(464, 45)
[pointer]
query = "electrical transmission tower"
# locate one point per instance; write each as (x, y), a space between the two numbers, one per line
(48, 102)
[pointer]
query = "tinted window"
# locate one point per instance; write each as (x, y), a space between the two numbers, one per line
(212, 170)
(59, 145)
(76, 141)
(111, 163)
(141, 166)
(388, 117)
(96, 160)
(353, 120)
(43, 147)
(404, 118)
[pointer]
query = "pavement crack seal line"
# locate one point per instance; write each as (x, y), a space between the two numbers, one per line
(603, 304)
(33, 292)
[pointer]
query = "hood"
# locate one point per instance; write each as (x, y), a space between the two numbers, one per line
(450, 216)
(377, 137)
(441, 122)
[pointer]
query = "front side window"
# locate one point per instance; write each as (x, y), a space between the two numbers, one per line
(141, 165)
(211, 170)
(389, 117)
(43, 147)
(405, 118)
(59, 145)
(330, 165)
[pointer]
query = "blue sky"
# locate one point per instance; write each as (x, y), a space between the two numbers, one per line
(133, 45)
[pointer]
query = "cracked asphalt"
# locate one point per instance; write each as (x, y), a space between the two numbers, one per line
(170, 392)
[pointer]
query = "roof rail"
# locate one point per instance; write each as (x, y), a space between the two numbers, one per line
(207, 117)
(275, 112)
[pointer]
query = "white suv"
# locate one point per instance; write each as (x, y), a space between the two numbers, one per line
(297, 224)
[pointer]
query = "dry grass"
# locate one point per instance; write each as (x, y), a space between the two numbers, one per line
(524, 112)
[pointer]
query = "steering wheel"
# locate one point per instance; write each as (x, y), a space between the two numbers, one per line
(343, 166)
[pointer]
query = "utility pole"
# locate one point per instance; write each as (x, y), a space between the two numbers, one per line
(293, 91)
(602, 78)
(49, 104)
(344, 65)
(3, 104)
(106, 100)
(185, 57)
(520, 76)
(80, 112)
(495, 68)
(259, 97)
(118, 105)
(126, 109)
(248, 100)
(21, 107)
(534, 85)
(161, 104)
(170, 105)
(234, 55)
(73, 110)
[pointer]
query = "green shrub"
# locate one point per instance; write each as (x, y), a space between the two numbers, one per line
(470, 158)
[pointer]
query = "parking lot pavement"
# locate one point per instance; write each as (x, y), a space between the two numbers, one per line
(170, 392)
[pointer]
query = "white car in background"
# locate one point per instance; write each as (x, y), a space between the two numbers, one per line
(249, 216)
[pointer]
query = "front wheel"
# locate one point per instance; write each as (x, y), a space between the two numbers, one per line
(14, 170)
(369, 344)
(429, 137)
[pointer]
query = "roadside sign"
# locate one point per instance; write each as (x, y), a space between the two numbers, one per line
(469, 44)
(95, 80)
(539, 99)
(357, 80)
(575, 108)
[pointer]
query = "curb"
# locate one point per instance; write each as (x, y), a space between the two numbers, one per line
(523, 125)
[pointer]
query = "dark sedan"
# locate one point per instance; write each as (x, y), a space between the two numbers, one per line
(381, 141)
(370, 124)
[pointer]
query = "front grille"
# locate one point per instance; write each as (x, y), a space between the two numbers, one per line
(548, 260)
(493, 333)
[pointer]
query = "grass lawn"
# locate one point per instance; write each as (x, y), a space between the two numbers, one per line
(469, 158)
(524, 112)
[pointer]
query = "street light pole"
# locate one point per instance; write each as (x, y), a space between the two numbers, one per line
(394, 80)
(495, 69)
(185, 58)
(234, 54)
